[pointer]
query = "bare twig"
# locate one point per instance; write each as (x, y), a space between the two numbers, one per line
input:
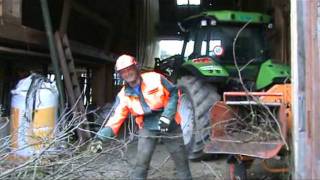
(215, 173)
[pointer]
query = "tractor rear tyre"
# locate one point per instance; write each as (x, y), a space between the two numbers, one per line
(196, 100)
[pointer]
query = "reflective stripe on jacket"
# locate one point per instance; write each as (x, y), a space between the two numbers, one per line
(158, 95)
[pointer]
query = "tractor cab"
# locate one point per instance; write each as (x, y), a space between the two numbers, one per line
(213, 40)
(213, 34)
(216, 41)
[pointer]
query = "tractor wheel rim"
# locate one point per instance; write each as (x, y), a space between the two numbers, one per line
(187, 116)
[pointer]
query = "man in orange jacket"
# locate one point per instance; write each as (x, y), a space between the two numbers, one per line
(152, 100)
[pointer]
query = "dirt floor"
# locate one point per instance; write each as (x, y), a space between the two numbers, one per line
(117, 165)
(117, 161)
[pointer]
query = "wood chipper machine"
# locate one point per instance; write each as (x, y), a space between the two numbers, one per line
(234, 98)
(249, 125)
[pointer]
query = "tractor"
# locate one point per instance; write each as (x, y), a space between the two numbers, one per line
(234, 99)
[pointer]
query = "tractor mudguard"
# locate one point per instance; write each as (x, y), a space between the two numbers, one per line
(211, 72)
(271, 73)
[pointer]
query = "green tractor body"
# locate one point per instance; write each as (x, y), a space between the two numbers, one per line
(208, 48)
(220, 48)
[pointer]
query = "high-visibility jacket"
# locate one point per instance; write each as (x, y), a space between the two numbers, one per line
(157, 94)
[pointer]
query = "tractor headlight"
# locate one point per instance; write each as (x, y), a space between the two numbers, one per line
(213, 22)
(204, 22)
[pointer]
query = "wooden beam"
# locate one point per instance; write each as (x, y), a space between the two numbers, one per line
(22, 34)
(86, 50)
(23, 52)
(18, 34)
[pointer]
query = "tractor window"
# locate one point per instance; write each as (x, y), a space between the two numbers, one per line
(203, 48)
(189, 49)
(249, 45)
(189, 46)
(196, 44)
(169, 48)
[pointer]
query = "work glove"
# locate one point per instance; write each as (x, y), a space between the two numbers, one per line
(95, 146)
(164, 124)
(102, 136)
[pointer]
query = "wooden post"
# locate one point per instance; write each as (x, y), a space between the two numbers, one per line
(1, 11)
(102, 85)
(305, 42)
(65, 17)
(12, 11)
(298, 101)
(312, 45)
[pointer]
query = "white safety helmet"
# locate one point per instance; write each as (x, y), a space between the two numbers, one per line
(125, 61)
